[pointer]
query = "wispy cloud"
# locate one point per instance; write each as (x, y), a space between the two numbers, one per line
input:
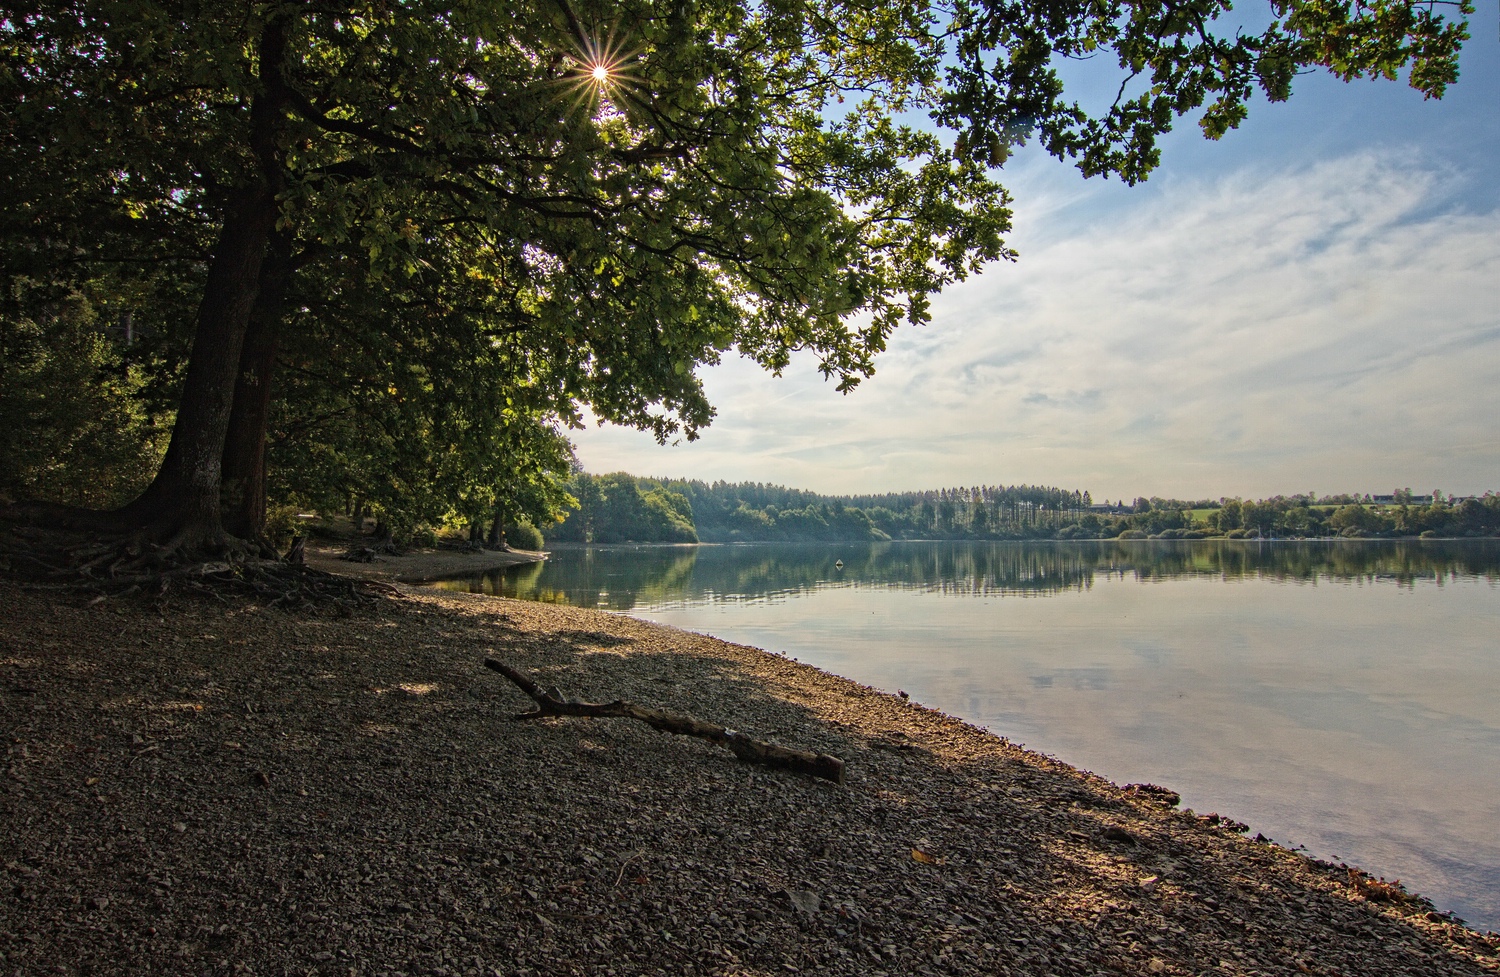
(1334, 326)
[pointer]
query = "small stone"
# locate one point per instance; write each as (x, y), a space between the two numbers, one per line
(803, 900)
(1156, 966)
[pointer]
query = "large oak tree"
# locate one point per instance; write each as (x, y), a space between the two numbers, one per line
(603, 195)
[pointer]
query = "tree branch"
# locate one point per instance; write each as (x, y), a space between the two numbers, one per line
(751, 751)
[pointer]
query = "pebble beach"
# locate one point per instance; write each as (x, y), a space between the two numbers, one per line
(218, 788)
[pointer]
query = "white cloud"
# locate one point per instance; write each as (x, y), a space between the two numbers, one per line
(1331, 328)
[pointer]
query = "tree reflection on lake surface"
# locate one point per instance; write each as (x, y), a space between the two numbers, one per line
(620, 577)
(1339, 695)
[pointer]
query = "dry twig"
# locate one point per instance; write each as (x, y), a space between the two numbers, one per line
(747, 749)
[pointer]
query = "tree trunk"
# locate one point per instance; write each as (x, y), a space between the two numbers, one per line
(243, 492)
(183, 499)
(181, 505)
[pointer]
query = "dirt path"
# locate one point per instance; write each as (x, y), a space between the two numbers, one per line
(210, 789)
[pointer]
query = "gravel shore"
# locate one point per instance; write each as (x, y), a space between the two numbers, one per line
(208, 788)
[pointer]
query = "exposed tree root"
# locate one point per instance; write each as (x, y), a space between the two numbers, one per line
(184, 564)
(551, 703)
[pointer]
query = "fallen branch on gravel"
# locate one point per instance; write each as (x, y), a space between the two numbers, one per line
(550, 703)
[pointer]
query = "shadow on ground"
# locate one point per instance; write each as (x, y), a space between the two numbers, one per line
(212, 789)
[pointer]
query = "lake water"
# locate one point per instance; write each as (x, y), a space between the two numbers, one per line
(1342, 697)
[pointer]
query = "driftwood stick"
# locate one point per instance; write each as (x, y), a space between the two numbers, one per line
(747, 749)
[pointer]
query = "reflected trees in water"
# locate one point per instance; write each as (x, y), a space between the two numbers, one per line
(624, 577)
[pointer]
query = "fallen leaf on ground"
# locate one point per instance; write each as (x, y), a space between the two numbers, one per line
(926, 859)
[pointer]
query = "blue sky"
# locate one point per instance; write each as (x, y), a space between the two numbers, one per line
(1311, 304)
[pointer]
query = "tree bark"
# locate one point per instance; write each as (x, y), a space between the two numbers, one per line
(243, 490)
(181, 505)
(184, 496)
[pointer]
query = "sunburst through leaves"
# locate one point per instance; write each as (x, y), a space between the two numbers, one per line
(598, 76)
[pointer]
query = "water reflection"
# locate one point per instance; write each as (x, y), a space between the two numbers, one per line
(624, 577)
(1336, 695)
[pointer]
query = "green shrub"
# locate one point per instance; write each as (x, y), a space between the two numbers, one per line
(1132, 534)
(73, 428)
(523, 536)
(281, 525)
(1076, 531)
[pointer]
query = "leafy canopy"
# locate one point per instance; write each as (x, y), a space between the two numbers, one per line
(540, 206)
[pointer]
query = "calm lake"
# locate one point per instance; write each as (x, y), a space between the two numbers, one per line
(1341, 697)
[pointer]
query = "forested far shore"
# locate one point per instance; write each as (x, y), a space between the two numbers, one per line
(620, 508)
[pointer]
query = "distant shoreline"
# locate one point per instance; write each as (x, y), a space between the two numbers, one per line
(1042, 539)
